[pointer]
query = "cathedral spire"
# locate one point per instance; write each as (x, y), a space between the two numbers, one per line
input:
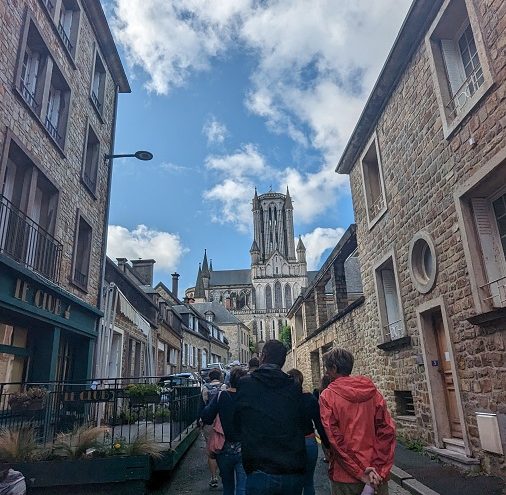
(288, 200)
(256, 203)
(199, 286)
(301, 251)
(205, 267)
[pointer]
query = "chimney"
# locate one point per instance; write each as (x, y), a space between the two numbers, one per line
(121, 263)
(175, 283)
(143, 269)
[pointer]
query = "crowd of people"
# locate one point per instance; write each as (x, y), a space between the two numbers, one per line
(261, 429)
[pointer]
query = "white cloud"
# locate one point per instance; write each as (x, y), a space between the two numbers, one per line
(173, 167)
(317, 242)
(246, 161)
(143, 242)
(215, 131)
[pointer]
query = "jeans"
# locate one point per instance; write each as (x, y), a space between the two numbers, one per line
(312, 457)
(232, 474)
(260, 483)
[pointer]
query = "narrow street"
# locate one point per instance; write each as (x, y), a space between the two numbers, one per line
(192, 476)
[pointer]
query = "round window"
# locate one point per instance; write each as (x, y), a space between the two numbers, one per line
(422, 262)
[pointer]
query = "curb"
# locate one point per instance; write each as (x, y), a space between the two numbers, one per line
(410, 484)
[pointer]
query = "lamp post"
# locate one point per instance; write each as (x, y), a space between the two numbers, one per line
(140, 155)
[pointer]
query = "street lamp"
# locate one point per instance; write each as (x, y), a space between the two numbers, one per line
(140, 155)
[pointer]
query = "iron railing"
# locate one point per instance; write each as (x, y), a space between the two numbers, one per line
(90, 181)
(376, 207)
(163, 418)
(494, 293)
(80, 278)
(28, 96)
(395, 330)
(465, 92)
(53, 131)
(64, 36)
(96, 100)
(49, 5)
(28, 243)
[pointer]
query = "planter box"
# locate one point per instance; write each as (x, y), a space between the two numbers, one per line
(31, 405)
(85, 471)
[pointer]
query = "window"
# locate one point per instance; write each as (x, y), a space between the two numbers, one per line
(185, 355)
(57, 107)
(68, 24)
(98, 84)
(458, 61)
(209, 316)
(91, 160)
(82, 253)
(278, 302)
(288, 296)
(33, 68)
(389, 301)
(49, 4)
(422, 262)
(404, 403)
(268, 297)
(374, 189)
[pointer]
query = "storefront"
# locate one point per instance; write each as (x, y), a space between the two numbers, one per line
(46, 333)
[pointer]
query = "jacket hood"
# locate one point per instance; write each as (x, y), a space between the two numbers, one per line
(353, 388)
(273, 378)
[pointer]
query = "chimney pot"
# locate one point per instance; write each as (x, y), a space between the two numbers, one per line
(175, 283)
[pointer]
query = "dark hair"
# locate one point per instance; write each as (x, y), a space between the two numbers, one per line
(274, 352)
(297, 376)
(235, 375)
(339, 359)
(214, 374)
(326, 381)
(254, 363)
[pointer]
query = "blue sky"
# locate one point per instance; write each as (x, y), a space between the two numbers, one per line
(233, 94)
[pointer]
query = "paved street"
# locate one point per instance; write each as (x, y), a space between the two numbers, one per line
(191, 477)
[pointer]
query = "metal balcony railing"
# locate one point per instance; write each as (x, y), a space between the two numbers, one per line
(29, 97)
(65, 38)
(80, 278)
(49, 5)
(90, 181)
(465, 92)
(52, 129)
(28, 243)
(494, 293)
(96, 100)
(376, 207)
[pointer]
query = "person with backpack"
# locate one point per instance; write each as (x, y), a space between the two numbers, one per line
(229, 460)
(209, 391)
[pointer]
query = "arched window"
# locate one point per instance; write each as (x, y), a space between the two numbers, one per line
(268, 297)
(278, 302)
(288, 296)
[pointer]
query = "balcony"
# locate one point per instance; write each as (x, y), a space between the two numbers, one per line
(28, 243)
(65, 38)
(29, 97)
(494, 293)
(53, 131)
(395, 336)
(376, 208)
(459, 100)
(96, 101)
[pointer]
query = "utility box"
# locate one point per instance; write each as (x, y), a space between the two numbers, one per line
(489, 429)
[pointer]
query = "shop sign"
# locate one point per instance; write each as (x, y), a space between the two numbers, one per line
(41, 299)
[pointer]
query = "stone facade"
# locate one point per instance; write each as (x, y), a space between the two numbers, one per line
(436, 166)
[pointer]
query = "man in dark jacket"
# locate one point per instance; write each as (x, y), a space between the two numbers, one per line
(270, 418)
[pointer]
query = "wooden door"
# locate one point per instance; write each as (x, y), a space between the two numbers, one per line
(445, 369)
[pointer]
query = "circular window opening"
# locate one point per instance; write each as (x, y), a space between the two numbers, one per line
(422, 262)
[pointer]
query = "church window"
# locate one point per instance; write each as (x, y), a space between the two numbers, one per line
(268, 297)
(288, 296)
(278, 302)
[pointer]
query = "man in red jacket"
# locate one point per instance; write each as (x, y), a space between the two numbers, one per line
(360, 429)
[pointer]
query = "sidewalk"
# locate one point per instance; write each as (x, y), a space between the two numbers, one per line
(439, 478)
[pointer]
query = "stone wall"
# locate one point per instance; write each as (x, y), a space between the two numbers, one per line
(421, 172)
(63, 169)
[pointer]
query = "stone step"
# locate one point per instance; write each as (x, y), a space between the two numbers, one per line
(461, 461)
(455, 444)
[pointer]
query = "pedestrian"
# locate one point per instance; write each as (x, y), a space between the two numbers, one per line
(312, 421)
(324, 383)
(253, 364)
(360, 429)
(229, 459)
(270, 418)
(209, 391)
(11, 482)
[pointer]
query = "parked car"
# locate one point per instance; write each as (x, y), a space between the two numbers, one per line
(171, 383)
(220, 366)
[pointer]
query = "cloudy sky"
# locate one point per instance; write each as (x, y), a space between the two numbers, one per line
(233, 94)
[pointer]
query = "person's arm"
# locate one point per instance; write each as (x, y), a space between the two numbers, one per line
(210, 411)
(347, 457)
(384, 446)
(315, 416)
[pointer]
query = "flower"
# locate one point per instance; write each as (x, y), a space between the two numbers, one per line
(117, 446)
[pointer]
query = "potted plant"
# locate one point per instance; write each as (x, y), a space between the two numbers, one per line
(143, 393)
(33, 399)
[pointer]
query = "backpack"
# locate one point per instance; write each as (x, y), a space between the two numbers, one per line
(217, 439)
(212, 391)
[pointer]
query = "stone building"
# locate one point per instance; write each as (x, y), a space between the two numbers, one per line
(427, 166)
(60, 75)
(261, 295)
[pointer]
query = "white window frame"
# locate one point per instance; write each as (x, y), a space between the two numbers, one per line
(381, 299)
(371, 222)
(437, 64)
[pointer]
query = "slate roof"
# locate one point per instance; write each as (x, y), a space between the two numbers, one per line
(230, 277)
(311, 276)
(221, 314)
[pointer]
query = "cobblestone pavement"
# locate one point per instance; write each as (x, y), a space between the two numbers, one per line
(192, 476)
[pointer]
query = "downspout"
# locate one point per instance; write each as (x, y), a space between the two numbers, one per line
(100, 296)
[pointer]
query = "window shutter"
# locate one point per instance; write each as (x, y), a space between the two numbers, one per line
(391, 303)
(491, 249)
(453, 65)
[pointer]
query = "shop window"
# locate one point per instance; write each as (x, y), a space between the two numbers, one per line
(82, 253)
(404, 403)
(372, 177)
(98, 84)
(91, 160)
(388, 300)
(13, 362)
(459, 62)
(68, 24)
